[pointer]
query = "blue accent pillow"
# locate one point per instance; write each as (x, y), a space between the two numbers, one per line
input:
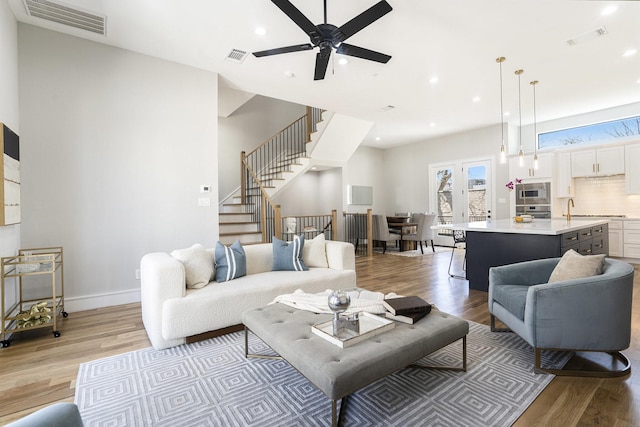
(288, 256)
(231, 261)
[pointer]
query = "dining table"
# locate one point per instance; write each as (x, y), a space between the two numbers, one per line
(400, 225)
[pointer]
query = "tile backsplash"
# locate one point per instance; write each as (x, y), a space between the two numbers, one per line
(603, 196)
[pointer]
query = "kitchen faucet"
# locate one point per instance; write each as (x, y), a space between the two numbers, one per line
(569, 204)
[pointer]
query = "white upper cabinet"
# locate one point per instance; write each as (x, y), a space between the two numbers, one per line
(598, 162)
(526, 171)
(563, 179)
(632, 169)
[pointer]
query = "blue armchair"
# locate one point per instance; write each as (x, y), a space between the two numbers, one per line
(587, 314)
(56, 415)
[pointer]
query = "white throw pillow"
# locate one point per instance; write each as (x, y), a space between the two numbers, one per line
(572, 265)
(198, 265)
(314, 253)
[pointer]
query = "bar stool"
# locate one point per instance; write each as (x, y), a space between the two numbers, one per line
(459, 236)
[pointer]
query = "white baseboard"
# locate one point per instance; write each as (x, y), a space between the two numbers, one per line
(90, 302)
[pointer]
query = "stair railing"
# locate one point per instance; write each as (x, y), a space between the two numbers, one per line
(358, 230)
(271, 156)
(259, 204)
(310, 226)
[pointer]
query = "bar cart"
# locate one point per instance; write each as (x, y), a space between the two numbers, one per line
(29, 268)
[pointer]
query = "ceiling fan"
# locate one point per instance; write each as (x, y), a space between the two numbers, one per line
(327, 36)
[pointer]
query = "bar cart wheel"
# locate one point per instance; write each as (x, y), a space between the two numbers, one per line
(56, 334)
(6, 343)
(65, 314)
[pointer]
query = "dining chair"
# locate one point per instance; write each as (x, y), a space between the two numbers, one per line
(459, 236)
(380, 229)
(423, 233)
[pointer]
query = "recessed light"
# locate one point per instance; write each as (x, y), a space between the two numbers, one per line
(433, 80)
(289, 74)
(432, 124)
(378, 138)
(609, 10)
(343, 61)
(476, 99)
(260, 31)
(630, 52)
(507, 114)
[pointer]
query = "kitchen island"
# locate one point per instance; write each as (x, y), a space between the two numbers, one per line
(501, 242)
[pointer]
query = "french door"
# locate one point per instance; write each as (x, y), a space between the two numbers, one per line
(460, 192)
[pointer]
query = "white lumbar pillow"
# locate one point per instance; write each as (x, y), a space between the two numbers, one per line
(198, 265)
(314, 253)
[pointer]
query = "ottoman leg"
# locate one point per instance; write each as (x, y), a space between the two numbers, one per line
(337, 418)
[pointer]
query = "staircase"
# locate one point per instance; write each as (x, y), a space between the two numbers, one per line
(318, 137)
(249, 215)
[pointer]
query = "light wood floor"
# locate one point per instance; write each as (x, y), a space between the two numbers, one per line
(38, 369)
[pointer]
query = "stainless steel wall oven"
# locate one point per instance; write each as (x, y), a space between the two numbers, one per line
(534, 199)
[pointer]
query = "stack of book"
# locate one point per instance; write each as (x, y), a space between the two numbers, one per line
(406, 309)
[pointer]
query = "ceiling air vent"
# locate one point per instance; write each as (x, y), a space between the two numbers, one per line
(588, 36)
(66, 15)
(236, 55)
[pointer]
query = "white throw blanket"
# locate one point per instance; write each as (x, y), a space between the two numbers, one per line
(361, 300)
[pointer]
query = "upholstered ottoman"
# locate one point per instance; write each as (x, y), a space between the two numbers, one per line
(338, 372)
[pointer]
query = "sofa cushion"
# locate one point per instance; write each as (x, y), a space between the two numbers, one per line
(314, 253)
(512, 297)
(231, 261)
(572, 265)
(287, 256)
(198, 265)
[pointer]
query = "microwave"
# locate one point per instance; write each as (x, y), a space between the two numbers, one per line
(538, 193)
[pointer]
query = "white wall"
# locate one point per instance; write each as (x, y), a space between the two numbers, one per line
(367, 168)
(248, 127)
(114, 148)
(406, 168)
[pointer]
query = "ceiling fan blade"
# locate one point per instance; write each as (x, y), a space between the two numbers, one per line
(322, 61)
(367, 17)
(286, 49)
(296, 16)
(360, 52)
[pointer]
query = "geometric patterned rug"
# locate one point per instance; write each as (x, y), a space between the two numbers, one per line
(210, 383)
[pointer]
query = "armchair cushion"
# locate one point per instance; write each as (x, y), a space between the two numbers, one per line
(572, 265)
(513, 298)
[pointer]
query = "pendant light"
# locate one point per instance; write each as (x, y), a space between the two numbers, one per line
(503, 150)
(535, 130)
(520, 151)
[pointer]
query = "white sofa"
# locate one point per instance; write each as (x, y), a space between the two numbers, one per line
(171, 312)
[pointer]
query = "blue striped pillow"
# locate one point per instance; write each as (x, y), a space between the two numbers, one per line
(288, 256)
(231, 261)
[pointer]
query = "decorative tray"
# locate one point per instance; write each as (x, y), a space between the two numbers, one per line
(370, 326)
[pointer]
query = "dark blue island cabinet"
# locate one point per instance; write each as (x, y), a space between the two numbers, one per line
(493, 246)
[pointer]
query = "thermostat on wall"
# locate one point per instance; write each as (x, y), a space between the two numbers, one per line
(205, 188)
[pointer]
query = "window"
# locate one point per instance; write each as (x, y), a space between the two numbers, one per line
(604, 132)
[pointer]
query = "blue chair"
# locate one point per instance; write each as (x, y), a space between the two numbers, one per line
(582, 315)
(56, 415)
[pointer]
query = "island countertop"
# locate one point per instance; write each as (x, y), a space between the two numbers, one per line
(550, 227)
